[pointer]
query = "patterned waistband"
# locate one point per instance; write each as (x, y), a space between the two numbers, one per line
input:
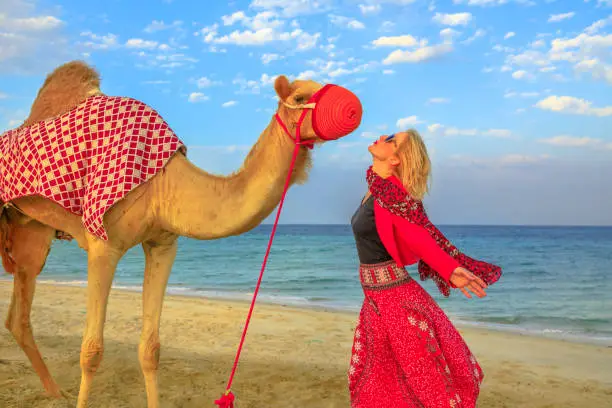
(382, 275)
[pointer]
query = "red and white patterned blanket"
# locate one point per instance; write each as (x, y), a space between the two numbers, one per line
(87, 159)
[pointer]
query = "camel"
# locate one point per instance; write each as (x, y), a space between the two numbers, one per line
(180, 200)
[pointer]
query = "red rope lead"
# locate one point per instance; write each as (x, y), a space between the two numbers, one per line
(227, 399)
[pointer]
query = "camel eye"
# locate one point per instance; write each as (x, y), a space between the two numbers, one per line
(299, 99)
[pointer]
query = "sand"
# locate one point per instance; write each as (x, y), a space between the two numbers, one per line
(292, 357)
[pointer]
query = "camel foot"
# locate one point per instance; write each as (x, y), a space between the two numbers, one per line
(53, 391)
(68, 395)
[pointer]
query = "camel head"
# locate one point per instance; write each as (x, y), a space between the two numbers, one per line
(320, 113)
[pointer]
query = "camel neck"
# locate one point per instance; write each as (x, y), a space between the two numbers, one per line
(200, 205)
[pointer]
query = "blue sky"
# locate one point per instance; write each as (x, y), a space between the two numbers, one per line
(513, 96)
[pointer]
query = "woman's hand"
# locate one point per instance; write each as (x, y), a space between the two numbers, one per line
(464, 279)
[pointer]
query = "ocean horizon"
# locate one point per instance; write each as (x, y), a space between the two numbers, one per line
(554, 281)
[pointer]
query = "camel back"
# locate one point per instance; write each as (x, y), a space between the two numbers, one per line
(87, 158)
(64, 88)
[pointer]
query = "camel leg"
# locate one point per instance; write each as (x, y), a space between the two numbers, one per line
(29, 261)
(102, 261)
(159, 257)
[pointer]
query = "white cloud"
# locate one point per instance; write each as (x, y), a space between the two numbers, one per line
(269, 57)
(407, 122)
(305, 41)
(397, 41)
(163, 60)
(479, 33)
(197, 97)
(522, 158)
(3, 95)
(100, 42)
(205, 82)
(598, 25)
(521, 94)
(31, 42)
(504, 160)
(548, 69)
(141, 44)
(309, 74)
(388, 72)
(369, 135)
(509, 34)
(160, 26)
(572, 105)
(228, 104)
(367, 9)
(263, 28)
(449, 34)
(438, 100)
(39, 23)
(588, 52)
(597, 68)
(292, 8)
(233, 18)
(522, 75)
(156, 82)
(595, 42)
(501, 133)
(453, 19)
(346, 22)
(327, 70)
(254, 86)
(419, 55)
(387, 26)
(266, 79)
(490, 3)
(442, 130)
(573, 141)
(528, 58)
(585, 53)
(555, 18)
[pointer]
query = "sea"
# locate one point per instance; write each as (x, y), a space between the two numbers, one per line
(556, 282)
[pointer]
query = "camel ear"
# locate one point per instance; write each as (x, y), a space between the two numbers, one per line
(282, 87)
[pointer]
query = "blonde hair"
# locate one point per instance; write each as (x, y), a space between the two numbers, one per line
(415, 167)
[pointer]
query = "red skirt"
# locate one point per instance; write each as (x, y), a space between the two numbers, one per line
(406, 352)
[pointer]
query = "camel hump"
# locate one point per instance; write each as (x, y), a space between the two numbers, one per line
(64, 88)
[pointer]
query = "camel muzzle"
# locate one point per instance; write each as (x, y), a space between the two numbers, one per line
(337, 112)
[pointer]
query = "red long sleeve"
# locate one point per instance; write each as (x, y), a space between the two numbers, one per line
(418, 241)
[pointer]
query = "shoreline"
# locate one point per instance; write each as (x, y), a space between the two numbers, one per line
(242, 298)
(289, 351)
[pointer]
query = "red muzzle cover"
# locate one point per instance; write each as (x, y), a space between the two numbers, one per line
(337, 112)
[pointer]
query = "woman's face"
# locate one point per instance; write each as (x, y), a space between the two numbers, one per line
(385, 147)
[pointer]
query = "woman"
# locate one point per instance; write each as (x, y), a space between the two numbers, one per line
(406, 352)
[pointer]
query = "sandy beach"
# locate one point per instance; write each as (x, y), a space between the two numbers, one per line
(292, 357)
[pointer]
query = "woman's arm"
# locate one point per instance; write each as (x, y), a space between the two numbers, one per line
(418, 241)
